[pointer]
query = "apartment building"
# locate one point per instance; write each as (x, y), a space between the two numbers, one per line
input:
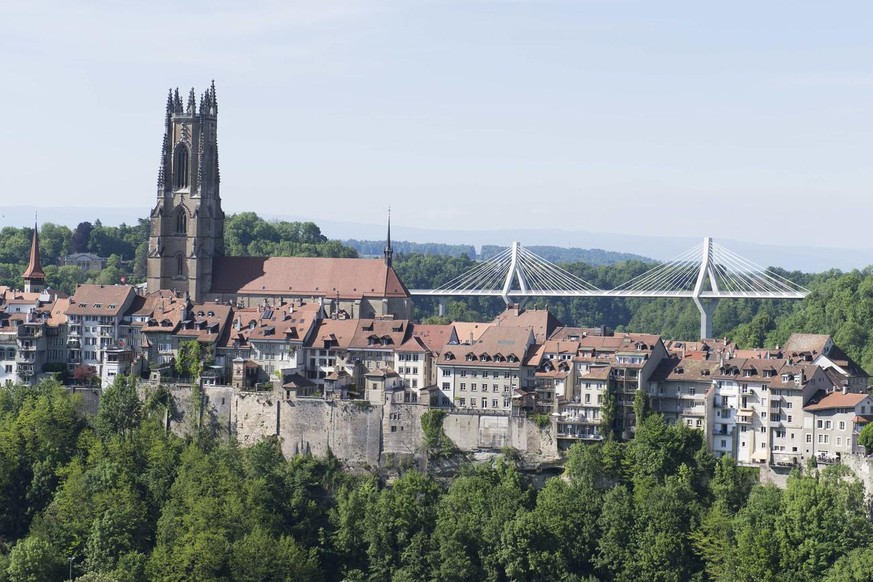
(95, 319)
(487, 374)
(835, 420)
(684, 391)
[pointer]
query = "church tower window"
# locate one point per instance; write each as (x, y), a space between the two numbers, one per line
(180, 264)
(181, 222)
(180, 167)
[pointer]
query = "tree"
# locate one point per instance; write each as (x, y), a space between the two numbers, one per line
(641, 406)
(34, 559)
(189, 362)
(865, 439)
(84, 374)
(616, 522)
(119, 411)
(608, 415)
(79, 238)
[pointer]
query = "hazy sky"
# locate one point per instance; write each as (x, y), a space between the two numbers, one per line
(743, 120)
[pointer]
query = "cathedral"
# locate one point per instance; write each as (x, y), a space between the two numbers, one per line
(186, 239)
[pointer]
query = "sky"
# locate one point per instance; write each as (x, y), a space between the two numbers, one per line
(744, 120)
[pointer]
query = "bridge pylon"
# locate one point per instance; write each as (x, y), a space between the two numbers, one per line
(705, 306)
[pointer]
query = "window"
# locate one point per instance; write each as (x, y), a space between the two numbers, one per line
(842, 425)
(463, 402)
(819, 424)
(484, 403)
(723, 443)
(463, 386)
(692, 391)
(473, 387)
(494, 403)
(839, 441)
(447, 386)
(789, 418)
(828, 425)
(809, 438)
(587, 399)
(181, 222)
(180, 167)
(447, 372)
(180, 264)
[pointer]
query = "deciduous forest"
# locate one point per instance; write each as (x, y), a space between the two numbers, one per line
(117, 498)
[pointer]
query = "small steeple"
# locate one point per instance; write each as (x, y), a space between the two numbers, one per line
(191, 102)
(170, 105)
(214, 98)
(388, 253)
(34, 277)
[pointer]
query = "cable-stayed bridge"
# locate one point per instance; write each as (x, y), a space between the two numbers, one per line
(704, 273)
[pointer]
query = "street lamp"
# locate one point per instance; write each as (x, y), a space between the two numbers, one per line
(71, 558)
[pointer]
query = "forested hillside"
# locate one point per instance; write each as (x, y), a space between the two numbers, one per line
(593, 257)
(374, 248)
(119, 499)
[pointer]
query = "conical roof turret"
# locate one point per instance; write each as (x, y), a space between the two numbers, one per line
(34, 268)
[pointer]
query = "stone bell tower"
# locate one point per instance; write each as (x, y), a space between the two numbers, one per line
(187, 223)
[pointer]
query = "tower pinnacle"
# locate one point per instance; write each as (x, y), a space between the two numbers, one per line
(388, 252)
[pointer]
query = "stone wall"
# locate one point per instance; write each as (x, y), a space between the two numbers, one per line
(862, 466)
(90, 398)
(357, 432)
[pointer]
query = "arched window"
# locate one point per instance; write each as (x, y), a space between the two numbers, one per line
(180, 264)
(180, 167)
(181, 222)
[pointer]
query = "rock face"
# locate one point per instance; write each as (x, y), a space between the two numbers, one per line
(357, 432)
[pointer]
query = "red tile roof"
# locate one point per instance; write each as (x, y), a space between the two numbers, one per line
(100, 299)
(836, 400)
(306, 276)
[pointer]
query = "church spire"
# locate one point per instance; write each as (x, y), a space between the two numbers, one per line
(388, 252)
(34, 277)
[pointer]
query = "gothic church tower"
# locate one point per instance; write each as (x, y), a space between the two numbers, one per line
(187, 224)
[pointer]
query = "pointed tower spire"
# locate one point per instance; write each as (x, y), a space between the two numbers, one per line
(34, 277)
(191, 102)
(170, 104)
(214, 98)
(388, 253)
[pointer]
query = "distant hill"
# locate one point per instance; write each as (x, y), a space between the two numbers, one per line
(593, 257)
(373, 248)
